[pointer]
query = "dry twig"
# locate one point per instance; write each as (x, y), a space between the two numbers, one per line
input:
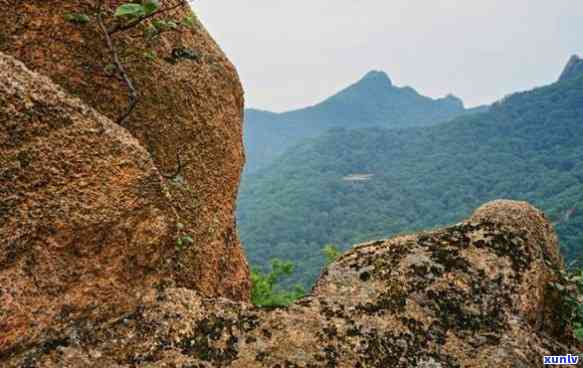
(133, 94)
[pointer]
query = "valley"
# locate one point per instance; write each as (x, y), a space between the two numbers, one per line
(352, 185)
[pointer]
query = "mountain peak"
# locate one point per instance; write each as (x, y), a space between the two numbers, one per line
(573, 68)
(376, 77)
(454, 100)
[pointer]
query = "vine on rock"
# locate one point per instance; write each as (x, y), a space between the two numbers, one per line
(128, 16)
(116, 17)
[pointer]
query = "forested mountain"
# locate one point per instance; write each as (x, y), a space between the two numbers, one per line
(373, 101)
(573, 69)
(349, 186)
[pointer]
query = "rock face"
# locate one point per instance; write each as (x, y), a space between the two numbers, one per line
(473, 294)
(573, 69)
(85, 222)
(190, 110)
(91, 213)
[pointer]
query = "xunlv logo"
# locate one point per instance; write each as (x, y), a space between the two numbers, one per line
(561, 359)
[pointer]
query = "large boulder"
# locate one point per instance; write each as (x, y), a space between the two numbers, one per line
(85, 222)
(475, 294)
(189, 110)
(90, 214)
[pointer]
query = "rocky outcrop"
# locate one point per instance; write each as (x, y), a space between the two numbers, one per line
(93, 214)
(573, 69)
(85, 222)
(189, 116)
(474, 294)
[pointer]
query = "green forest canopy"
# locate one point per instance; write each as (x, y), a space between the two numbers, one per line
(373, 101)
(349, 186)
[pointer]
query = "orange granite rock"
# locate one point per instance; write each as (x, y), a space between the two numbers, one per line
(474, 294)
(189, 108)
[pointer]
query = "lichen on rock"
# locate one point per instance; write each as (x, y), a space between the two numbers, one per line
(468, 295)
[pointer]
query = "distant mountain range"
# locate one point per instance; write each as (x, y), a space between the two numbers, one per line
(373, 101)
(350, 185)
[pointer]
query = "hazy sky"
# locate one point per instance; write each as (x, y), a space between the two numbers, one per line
(292, 54)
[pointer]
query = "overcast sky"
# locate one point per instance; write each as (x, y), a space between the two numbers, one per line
(292, 54)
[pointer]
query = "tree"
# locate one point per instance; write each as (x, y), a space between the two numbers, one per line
(265, 291)
(331, 252)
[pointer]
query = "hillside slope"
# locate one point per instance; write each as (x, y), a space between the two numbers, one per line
(353, 185)
(372, 101)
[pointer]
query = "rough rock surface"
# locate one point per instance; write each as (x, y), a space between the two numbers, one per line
(474, 294)
(189, 107)
(85, 222)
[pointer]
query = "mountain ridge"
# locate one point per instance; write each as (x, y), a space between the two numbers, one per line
(525, 147)
(371, 101)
